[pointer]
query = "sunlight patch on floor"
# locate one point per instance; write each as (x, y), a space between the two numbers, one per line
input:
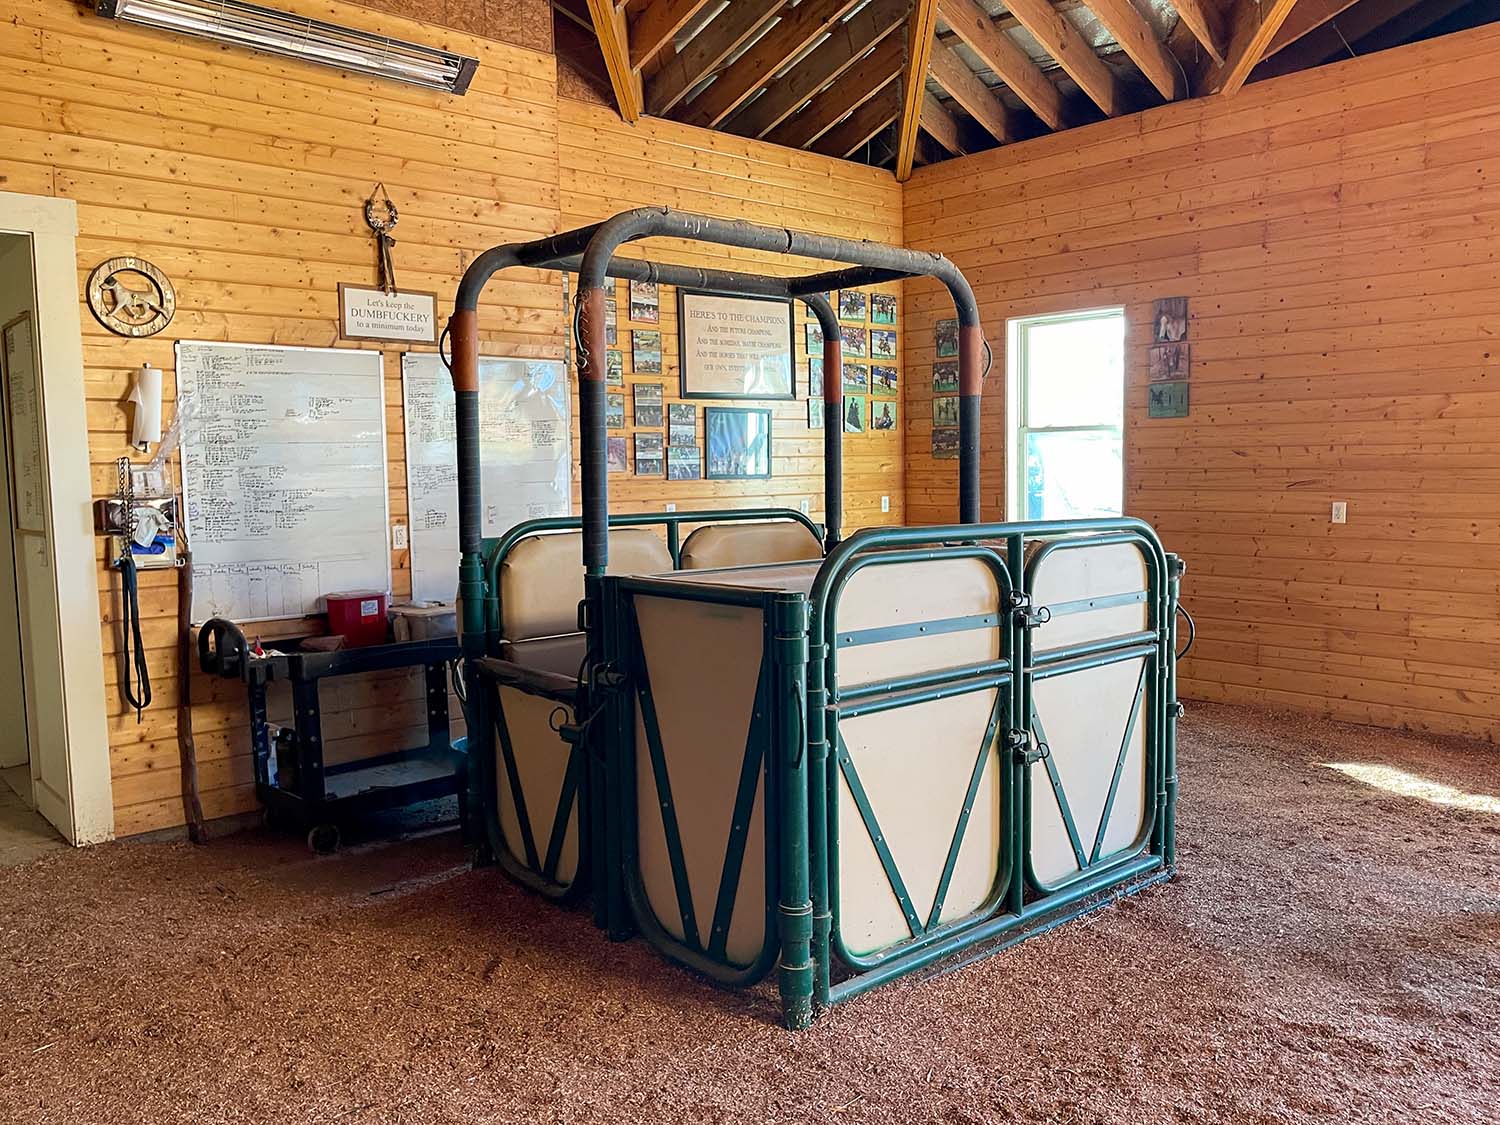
(1405, 784)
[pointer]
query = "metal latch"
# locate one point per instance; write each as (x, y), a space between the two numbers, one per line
(1178, 710)
(1020, 744)
(1025, 614)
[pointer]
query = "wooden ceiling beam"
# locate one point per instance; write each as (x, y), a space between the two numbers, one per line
(861, 125)
(1309, 15)
(862, 82)
(921, 38)
(653, 27)
(845, 45)
(614, 43)
(1206, 24)
(975, 27)
(1061, 40)
(1253, 26)
(724, 34)
(786, 39)
(1138, 40)
(977, 99)
(942, 126)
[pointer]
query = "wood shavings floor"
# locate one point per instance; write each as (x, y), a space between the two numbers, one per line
(1331, 952)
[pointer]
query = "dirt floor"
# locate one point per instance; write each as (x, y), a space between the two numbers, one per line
(1331, 951)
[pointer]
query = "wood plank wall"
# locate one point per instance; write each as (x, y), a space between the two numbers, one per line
(1335, 233)
(243, 178)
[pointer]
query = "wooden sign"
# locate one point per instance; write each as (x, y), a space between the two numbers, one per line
(407, 316)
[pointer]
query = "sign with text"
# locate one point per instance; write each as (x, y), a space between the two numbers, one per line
(373, 314)
(734, 347)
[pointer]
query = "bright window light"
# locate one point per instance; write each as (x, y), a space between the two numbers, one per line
(1405, 784)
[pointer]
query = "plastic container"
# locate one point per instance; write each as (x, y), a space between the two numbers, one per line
(423, 622)
(358, 616)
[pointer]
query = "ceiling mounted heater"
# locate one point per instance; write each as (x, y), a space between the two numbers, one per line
(297, 37)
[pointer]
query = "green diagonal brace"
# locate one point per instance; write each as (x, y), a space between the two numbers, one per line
(963, 817)
(872, 826)
(513, 776)
(1114, 782)
(1057, 790)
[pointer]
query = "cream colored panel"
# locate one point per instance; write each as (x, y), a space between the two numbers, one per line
(703, 662)
(541, 579)
(749, 544)
(881, 596)
(1085, 744)
(915, 764)
(541, 763)
(562, 654)
(1072, 574)
(794, 578)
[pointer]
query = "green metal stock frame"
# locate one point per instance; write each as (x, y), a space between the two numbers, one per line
(1029, 907)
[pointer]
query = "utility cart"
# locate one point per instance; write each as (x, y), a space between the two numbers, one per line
(292, 780)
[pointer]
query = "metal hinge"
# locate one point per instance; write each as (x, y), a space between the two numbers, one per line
(1025, 614)
(1177, 710)
(1020, 744)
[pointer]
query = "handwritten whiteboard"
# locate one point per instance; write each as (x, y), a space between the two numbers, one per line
(524, 452)
(24, 400)
(284, 477)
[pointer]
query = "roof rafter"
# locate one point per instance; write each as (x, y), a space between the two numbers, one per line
(999, 52)
(845, 44)
(863, 123)
(1206, 24)
(964, 86)
(614, 42)
(1137, 39)
(1061, 40)
(725, 34)
(653, 26)
(942, 126)
(790, 35)
(863, 81)
(1253, 26)
(921, 38)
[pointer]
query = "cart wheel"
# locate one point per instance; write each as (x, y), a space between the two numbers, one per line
(323, 839)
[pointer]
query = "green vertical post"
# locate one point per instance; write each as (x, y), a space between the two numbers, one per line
(789, 647)
(1018, 807)
(817, 812)
(1176, 568)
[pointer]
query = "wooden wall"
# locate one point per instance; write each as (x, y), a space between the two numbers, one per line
(243, 178)
(1335, 232)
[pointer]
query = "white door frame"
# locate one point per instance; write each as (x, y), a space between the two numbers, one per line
(82, 808)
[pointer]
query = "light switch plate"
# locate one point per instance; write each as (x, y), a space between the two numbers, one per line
(671, 507)
(1340, 512)
(398, 536)
(885, 503)
(806, 506)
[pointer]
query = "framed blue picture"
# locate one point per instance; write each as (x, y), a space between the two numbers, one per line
(738, 441)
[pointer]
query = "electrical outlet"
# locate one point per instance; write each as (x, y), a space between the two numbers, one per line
(1340, 512)
(806, 506)
(398, 536)
(885, 503)
(671, 507)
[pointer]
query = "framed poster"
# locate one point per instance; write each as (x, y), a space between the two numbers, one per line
(739, 442)
(735, 347)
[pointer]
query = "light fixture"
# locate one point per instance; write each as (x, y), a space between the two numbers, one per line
(297, 37)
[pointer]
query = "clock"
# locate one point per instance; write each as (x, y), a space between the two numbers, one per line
(131, 297)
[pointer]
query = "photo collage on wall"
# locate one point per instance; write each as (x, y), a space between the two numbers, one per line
(870, 376)
(945, 391)
(1169, 359)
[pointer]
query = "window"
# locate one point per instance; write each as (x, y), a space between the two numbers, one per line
(1066, 407)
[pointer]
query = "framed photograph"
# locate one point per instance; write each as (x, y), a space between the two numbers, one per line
(814, 414)
(648, 400)
(682, 424)
(614, 368)
(649, 460)
(882, 308)
(645, 352)
(1169, 320)
(645, 302)
(945, 378)
(614, 412)
(815, 376)
(883, 380)
(945, 336)
(739, 442)
(882, 343)
(945, 411)
(854, 415)
(856, 342)
(853, 305)
(735, 347)
(1168, 361)
(1167, 400)
(684, 462)
(615, 457)
(611, 323)
(882, 414)
(814, 338)
(856, 379)
(945, 443)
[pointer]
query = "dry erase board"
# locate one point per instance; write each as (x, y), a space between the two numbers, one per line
(284, 476)
(524, 452)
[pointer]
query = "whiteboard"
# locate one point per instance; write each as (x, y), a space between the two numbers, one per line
(284, 476)
(24, 400)
(525, 457)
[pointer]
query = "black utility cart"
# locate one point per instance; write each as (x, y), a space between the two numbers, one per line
(291, 779)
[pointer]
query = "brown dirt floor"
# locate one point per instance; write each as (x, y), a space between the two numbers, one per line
(1330, 952)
